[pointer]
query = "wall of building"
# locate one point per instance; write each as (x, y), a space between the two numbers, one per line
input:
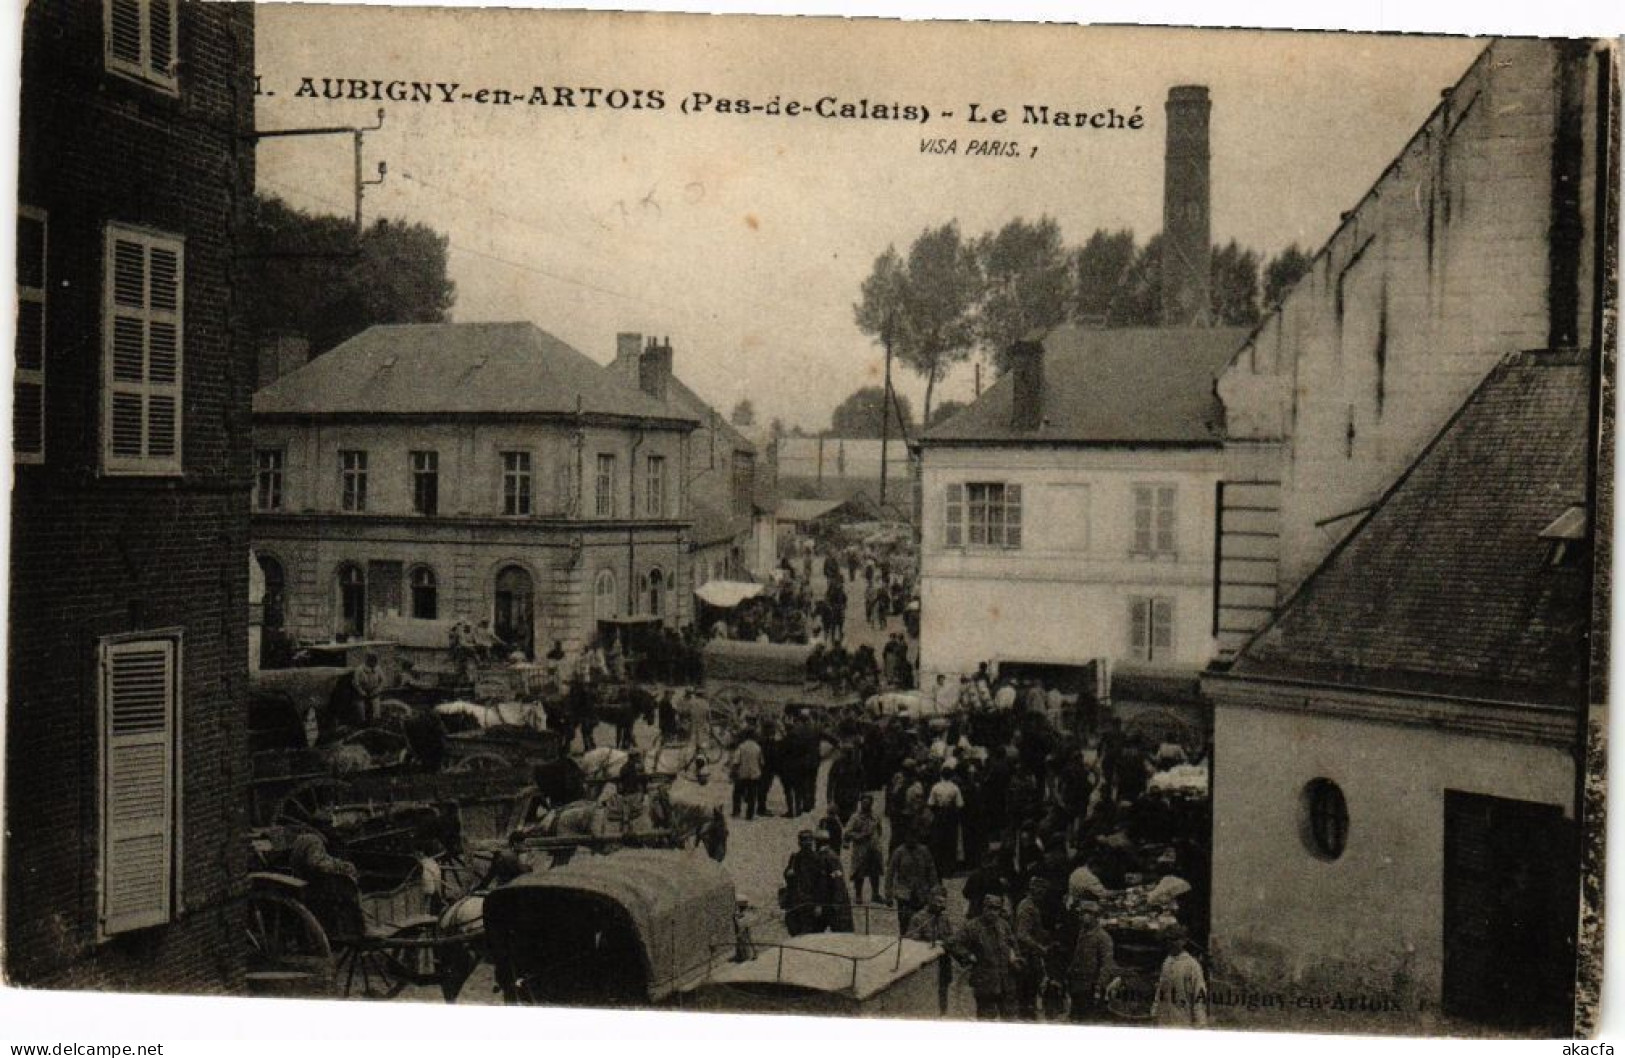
(466, 560)
(1459, 254)
(1370, 922)
(471, 467)
(94, 556)
(1063, 596)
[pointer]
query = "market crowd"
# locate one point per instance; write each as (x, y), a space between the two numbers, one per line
(1040, 803)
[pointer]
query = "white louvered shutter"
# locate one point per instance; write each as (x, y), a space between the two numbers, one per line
(138, 784)
(143, 371)
(142, 37)
(953, 516)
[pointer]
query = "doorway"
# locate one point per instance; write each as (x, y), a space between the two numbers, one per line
(1510, 906)
(514, 619)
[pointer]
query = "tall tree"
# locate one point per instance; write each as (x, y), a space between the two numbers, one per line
(1283, 273)
(1138, 302)
(1025, 283)
(1234, 286)
(924, 304)
(1098, 272)
(744, 413)
(309, 275)
(859, 414)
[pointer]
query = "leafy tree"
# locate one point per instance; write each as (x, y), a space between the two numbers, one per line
(944, 411)
(1026, 280)
(744, 413)
(859, 414)
(1138, 302)
(1234, 286)
(1098, 271)
(309, 275)
(1283, 273)
(925, 304)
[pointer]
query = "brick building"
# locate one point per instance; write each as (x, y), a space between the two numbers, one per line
(126, 752)
(421, 473)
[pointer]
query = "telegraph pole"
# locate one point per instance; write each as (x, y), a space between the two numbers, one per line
(356, 133)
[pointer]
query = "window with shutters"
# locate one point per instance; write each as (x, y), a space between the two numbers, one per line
(139, 707)
(142, 369)
(1151, 629)
(268, 479)
(143, 40)
(982, 514)
(1154, 535)
(516, 483)
(28, 382)
(352, 480)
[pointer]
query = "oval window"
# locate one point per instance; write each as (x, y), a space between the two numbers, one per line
(1327, 818)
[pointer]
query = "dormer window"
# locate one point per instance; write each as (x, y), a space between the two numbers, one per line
(1566, 537)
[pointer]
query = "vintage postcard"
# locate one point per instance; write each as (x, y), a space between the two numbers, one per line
(862, 518)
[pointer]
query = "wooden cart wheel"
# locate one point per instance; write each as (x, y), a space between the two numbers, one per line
(286, 944)
(309, 799)
(484, 761)
(380, 967)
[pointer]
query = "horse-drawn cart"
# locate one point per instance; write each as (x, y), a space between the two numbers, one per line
(320, 934)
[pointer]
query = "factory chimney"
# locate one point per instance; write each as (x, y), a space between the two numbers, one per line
(1186, 215)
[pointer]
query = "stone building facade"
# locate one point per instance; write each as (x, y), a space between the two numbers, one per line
(420, 474)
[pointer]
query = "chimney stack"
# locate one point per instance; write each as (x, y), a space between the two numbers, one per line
(1027, 382)
(628, 350)
(654, 368)
(1187, 236)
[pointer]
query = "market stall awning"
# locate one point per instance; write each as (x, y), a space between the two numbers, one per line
(727, 593)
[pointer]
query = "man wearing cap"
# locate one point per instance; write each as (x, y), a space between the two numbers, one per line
(1093, 966)
(931, 925)
(987, 945)
(837, 898)
(805, 887)
(911, 877)
(1033, 942)
(863, 834)
(1181, 999)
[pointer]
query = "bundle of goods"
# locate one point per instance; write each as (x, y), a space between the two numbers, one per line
(1144, 908)
(1182, 780)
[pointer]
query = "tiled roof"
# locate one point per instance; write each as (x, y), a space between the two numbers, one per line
(1124, 385)
(1448, 587)
(455, 368)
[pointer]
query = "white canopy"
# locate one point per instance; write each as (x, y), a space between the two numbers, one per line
(727, 593)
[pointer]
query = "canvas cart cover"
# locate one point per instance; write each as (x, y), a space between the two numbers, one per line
(680, 903)
(726, 594)
(737, 660)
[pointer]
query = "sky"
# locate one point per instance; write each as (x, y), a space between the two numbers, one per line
(744, 237)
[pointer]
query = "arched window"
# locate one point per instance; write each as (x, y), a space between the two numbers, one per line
(352, 589)
(605, 597)
(425, 594)
(657, 592)
(276, 586)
